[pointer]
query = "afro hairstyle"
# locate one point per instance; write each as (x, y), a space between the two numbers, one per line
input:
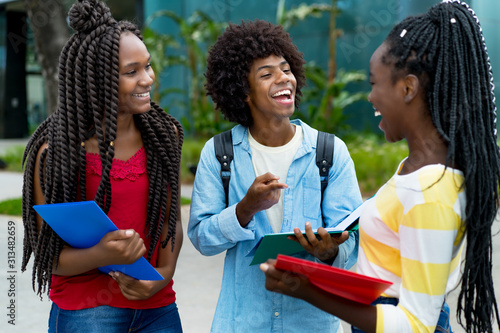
(231, 57)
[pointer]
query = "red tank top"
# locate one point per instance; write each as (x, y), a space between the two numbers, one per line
(130, 188)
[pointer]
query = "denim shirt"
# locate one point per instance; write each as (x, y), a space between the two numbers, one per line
(244, 304)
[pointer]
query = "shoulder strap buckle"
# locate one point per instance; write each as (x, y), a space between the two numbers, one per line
(223, 144)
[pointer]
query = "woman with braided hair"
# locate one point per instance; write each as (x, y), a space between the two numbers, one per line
(432, 84)
(107, 142)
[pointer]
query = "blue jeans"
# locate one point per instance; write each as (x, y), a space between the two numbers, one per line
(443, 324)
(115, 320)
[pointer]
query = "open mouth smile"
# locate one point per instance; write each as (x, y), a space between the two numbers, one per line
(283, 96)
(146, 94)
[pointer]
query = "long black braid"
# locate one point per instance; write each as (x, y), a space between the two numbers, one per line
(88, 102)
(445, 49)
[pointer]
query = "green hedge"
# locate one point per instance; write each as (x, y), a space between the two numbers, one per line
(13, 157)
(375, 161)
(11, 207)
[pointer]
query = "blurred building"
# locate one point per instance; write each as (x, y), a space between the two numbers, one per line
(363, 24)
(22, 92)
(13, 101)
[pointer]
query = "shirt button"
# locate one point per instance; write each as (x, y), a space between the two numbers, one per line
(276, 313)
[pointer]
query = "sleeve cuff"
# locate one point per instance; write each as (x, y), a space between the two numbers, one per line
(231, 228)
(341, 259)
(348, 252)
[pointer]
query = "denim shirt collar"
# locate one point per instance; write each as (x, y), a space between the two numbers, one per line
(240, 137)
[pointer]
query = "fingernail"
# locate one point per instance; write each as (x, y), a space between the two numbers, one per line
(264, 267)
(129, 232)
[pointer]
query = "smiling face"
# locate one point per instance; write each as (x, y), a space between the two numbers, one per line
(387, 96)
(136, 75)
(272, 89)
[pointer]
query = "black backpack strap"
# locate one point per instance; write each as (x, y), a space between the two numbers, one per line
(223, 144)
(324, 157)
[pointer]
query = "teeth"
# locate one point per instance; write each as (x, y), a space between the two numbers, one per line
(377, 113)
(282, 92)
(146, 94)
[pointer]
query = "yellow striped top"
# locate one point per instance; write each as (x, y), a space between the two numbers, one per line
(412, 234)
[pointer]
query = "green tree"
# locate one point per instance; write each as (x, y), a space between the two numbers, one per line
(325, 99)
(196, 33)
(159, 46)
(327, 96)
(48, 22)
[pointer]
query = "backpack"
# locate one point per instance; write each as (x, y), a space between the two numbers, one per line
(223, 144)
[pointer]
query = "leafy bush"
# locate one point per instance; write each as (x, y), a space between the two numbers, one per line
(375, 160)
(191, 150)
(13, 158)
(189, 49)
(325, 100)
(190, 155)
(12, 207)
(185, 201)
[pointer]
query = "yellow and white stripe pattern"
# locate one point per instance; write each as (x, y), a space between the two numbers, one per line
(411, 233)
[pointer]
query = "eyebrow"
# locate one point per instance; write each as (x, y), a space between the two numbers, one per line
(270, 66)
(131, 64)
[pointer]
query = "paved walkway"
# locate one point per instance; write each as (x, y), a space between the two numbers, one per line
(197, 278)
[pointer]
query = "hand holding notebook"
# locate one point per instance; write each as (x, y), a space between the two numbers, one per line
(270, 245)
(82, 225)
(353, 286)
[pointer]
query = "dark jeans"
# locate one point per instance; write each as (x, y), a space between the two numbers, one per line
(443, 324)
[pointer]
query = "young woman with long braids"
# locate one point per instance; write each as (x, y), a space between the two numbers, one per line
(107, 142)
(432, 84)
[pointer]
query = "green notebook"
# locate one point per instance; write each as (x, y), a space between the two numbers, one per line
(271, 245)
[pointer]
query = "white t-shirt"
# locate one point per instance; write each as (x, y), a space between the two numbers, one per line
(276, 160)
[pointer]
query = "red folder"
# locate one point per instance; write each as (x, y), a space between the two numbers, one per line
(356, 287)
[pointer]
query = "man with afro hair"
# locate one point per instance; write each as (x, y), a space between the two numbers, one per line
(255, 75)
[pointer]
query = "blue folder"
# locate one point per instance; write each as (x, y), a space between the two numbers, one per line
(82, 224)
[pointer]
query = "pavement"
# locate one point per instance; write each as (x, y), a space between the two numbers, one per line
(197, 278)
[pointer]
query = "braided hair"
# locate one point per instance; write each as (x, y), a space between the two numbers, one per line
(445, 48)
(231, 57)
(88, 102)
